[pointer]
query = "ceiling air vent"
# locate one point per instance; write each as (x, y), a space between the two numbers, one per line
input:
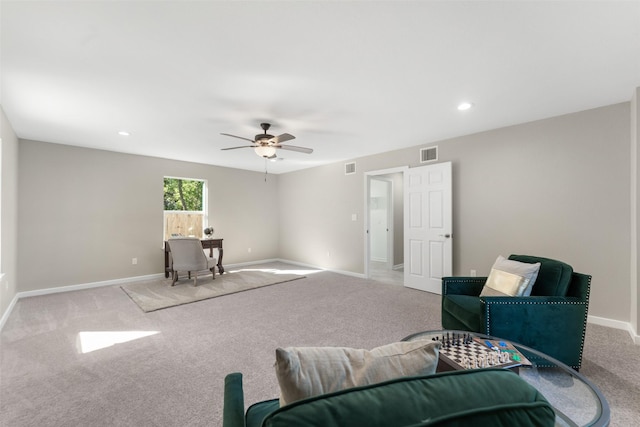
(350, 168)
(429, 154)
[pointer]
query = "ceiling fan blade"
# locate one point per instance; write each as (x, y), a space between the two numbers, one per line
(295, 148)
(239, 137)
(282, 138)
(242, 146)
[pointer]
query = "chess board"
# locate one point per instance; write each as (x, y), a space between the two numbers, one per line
(462, 351)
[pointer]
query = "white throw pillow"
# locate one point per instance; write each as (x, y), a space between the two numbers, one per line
(304, 372)
(503, 284)
(512, 278)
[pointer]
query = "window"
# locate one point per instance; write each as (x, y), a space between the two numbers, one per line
(185, 207)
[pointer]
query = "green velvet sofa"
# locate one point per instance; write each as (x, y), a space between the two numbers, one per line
(486, 397)
(552, 320)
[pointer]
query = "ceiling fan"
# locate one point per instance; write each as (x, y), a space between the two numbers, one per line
(265, 145)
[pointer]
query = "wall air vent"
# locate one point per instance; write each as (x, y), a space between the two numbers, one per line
(429, 154)
(350, 168)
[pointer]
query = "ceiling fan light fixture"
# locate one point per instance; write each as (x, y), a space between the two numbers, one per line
(265, 145)
(263, 138)
(265, 151)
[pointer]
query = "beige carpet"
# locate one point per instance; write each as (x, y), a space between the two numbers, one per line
(46, 381)
(157, 294)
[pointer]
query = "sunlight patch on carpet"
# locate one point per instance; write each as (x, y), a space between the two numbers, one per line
(89, 341)
(278, 271)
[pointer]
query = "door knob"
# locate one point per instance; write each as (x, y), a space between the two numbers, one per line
(446, 236)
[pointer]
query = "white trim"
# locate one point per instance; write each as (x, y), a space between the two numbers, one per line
(205, 205)
(635, 141)
(8, 311)
(81, 286)
(367, 178)
(387, 171)
(70, 288)
(390, 219)
(615, 324)
(398, 267)
(1, 274)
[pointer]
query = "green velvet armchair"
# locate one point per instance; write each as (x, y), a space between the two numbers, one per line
(552, 320)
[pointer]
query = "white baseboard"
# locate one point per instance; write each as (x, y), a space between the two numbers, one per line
(70, 288)
(615, 324)
(8, 311)
(398, 267)
(78, 287)
(347, 273)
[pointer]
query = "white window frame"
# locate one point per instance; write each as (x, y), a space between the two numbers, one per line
(205, 204)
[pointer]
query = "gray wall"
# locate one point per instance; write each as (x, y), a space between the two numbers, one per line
(315, 208)
(9, 213)
(84, 213)
(557, 188)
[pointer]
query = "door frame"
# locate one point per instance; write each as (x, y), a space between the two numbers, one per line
(367, 220)
(390, 216)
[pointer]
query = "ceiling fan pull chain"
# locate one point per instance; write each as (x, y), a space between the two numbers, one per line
(265, 170)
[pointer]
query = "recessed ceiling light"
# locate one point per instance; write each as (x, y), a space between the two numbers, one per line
(124, 133)
(464, 106)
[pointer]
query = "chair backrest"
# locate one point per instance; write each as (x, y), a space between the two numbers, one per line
(187, 254)
(473, 397)
(553, 278)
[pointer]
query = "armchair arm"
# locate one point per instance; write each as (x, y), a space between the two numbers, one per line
(233, 410)
(462, 285)
(552, 325)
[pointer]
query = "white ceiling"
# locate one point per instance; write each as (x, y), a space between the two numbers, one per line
(348, 79)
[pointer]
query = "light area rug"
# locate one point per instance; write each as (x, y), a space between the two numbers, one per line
(152, 295)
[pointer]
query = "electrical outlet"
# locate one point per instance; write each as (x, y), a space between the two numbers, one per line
(328, 254)
(473, 273)
(134, 261)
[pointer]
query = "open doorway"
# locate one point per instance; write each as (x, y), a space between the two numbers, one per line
(384, 208)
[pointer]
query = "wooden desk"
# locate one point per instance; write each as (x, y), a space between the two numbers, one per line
(206, 244)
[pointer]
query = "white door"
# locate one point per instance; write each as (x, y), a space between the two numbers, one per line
(379, 218)
(428, 227)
